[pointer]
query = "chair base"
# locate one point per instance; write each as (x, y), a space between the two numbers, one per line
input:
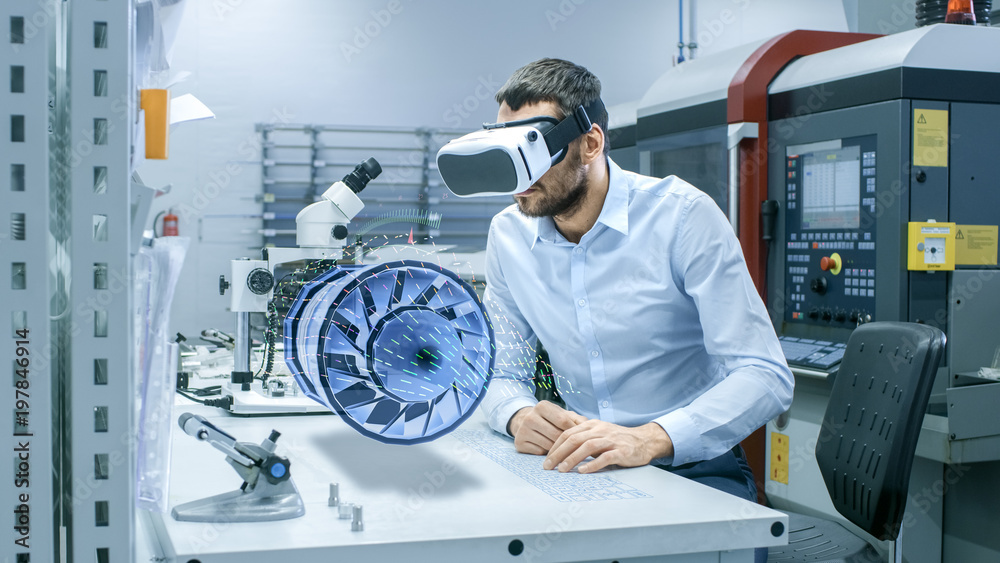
(815, 539)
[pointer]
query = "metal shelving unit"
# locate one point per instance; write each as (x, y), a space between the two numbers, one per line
(300, 161)
(69, 108)
(100, 422)
(26, 431)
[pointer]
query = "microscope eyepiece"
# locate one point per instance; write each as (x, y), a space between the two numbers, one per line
(362, 174)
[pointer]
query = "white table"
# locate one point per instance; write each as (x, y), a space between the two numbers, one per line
(448, 500)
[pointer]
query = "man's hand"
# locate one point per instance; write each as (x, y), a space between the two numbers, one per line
(536, 428)
(609, 444)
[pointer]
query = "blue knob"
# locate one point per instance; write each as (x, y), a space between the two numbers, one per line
(278, 470)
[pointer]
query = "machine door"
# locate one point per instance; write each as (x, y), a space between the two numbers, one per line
(697, 157)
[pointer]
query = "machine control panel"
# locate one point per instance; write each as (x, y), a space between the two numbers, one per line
(812, 353)
(830, 215)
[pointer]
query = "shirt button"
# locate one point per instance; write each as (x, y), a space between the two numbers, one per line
(606, 404)
(595, 353)
(581, 302)
(578, 250)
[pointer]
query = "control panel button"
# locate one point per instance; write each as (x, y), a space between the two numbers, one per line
(830, 263)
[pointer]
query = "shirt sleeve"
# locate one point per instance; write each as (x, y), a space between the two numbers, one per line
(708, 265)
(512, 386)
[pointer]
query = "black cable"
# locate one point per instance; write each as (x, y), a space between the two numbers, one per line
(266, 369)
(222, 402)
(190, 397)
(313, 267)
(155, 219)
(272, 332)
(272, 329)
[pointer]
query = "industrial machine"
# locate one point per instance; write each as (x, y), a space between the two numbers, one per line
(858, 173)
(881, 170)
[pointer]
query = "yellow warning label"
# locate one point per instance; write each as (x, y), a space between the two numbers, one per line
(930, 137)
(976, 245)
(779, 458)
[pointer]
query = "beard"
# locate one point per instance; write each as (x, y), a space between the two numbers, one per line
(560, 196)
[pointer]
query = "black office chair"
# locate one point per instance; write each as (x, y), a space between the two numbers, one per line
(867, 441)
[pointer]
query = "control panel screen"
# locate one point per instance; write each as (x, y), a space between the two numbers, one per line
(831, 198)
(829, 260)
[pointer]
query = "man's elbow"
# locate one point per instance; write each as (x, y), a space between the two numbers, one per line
(785, 388)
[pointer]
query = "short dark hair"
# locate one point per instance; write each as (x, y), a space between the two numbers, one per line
(557, 81)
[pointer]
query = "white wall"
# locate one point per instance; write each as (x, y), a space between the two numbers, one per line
(433, 63)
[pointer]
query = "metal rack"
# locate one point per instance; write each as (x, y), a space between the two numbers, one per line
(66, 236)
(100, 423)
(300, 161)
(28, 358)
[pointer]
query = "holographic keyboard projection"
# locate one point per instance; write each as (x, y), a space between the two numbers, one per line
(564, 487)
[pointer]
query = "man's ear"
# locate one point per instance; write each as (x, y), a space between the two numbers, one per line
(592, 145)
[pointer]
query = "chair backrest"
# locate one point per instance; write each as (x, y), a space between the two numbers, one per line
(869, 433)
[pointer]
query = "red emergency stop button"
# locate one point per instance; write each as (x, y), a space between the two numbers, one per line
(830, 263)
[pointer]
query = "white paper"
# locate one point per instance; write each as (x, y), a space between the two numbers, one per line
(188, 108)
(171, 16)
(176, 77)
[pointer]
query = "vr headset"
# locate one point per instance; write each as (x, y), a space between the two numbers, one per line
(507, 158)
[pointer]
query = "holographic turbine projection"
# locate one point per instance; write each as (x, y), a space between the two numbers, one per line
(403, 350)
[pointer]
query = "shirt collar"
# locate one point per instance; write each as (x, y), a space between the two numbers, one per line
(614, 214)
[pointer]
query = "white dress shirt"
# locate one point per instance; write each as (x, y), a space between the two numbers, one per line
(651, 317)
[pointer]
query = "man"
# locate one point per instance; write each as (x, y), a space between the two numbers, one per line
(662, 349)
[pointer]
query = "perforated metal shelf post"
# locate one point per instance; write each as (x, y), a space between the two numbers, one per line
(102, 460)
(25, 353)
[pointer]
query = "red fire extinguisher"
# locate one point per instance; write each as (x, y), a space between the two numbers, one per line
(170, 224)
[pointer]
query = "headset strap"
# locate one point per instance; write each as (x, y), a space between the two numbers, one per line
(573, 126)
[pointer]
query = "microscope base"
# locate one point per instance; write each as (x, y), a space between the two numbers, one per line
(265, 503)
